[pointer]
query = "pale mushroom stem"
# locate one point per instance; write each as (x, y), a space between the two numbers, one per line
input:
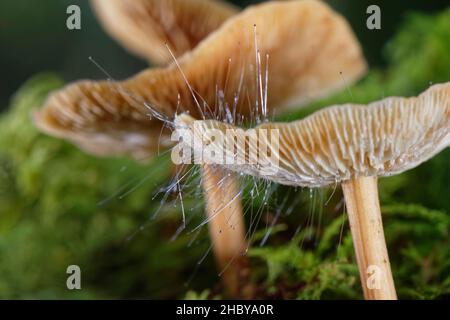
(226, 228)
(363, 208)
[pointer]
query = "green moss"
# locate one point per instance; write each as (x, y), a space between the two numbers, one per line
(51, 217)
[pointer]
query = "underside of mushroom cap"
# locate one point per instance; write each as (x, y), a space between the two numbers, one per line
(146, 26)
(338, 143)
(307, 45)
(102, 125)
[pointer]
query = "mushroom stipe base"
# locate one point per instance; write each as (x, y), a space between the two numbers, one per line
(363, 208)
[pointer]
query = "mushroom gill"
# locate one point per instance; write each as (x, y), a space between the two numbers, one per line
(100, 124)
(307, 45)
(339, 143)
(146, 26)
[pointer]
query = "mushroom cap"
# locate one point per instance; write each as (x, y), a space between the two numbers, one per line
(146, 26)
(308, 46)
(337, 143)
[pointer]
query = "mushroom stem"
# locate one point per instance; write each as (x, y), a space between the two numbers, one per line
(226, 228)
(363, 208)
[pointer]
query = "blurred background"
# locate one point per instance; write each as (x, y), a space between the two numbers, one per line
(59, 206)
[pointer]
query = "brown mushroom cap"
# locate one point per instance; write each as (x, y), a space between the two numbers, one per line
(145, 26)
(308, 46)
(338, 143)
(99, 124)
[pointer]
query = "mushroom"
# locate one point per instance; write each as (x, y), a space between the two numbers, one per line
(309, 47)
(181, 24)
(348, 144)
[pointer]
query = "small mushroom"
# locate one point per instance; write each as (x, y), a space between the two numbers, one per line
(301, 47)
(146, 26)
(348, 144)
